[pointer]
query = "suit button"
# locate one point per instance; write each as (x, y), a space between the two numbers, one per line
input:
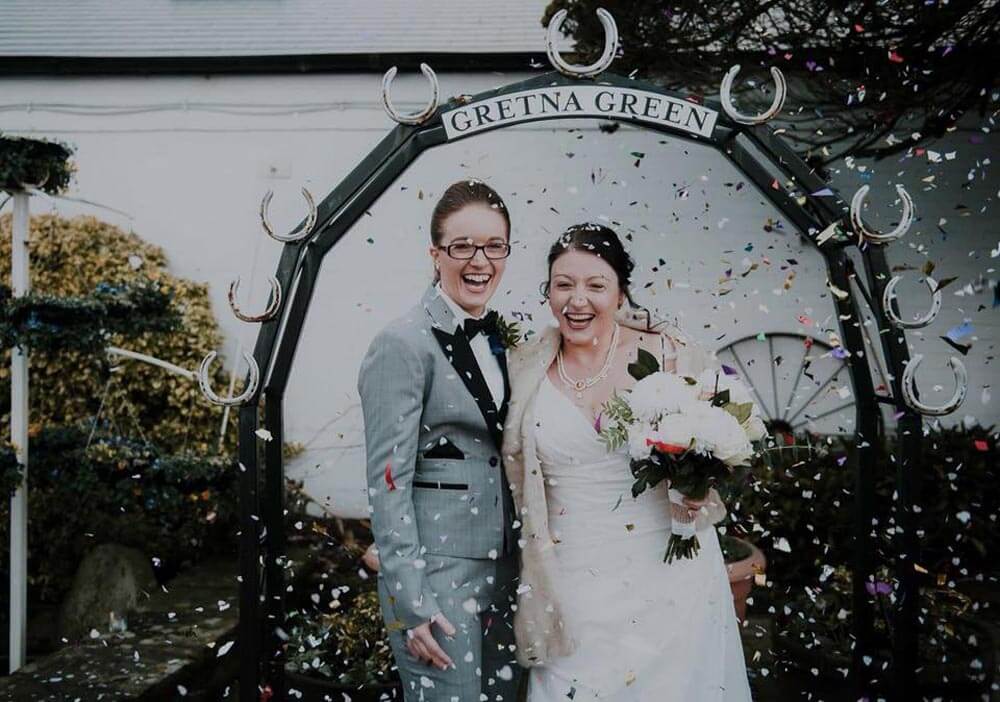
(493, 460)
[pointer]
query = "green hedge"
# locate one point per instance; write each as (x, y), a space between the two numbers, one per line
(176, 509)
(82, 256)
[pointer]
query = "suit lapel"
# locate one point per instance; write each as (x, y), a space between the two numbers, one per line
(501, 355)
(459, 353)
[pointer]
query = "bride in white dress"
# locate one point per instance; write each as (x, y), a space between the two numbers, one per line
(600, 615)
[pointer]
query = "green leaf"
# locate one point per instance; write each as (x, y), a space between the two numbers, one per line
(638, 487)
(740, 410)
(645, 365)
(721, 399)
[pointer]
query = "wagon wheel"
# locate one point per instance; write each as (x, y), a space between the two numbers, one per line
(796, 380)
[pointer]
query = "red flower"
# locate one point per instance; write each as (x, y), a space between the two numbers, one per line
(664, 447)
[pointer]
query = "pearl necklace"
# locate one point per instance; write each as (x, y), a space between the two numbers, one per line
(580, 385)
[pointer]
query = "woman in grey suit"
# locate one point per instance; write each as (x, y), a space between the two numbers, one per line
(434, 392)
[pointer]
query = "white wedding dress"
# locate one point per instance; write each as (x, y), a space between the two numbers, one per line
(645, 630)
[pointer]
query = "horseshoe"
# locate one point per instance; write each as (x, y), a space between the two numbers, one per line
(416, 117)
(573, 70)
(206, 387)
(889, 294)
(961, 387)
(265, 205)
(268, 313)
(780, 91)
(873, 235)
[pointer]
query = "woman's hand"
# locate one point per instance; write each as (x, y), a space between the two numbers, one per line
(695, 506)
(370, 558)
(421, 644)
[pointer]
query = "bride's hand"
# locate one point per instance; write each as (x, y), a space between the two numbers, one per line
(694, 506)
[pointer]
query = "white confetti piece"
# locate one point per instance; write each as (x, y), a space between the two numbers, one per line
(224, 649)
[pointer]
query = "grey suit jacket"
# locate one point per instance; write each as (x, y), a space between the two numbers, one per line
(432, 435)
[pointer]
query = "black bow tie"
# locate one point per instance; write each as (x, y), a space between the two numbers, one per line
(487, 325)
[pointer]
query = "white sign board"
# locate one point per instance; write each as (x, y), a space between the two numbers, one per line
(579, 101)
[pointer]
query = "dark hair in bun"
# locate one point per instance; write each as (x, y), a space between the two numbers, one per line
(600, 241)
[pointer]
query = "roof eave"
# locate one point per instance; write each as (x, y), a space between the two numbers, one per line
(306, 63)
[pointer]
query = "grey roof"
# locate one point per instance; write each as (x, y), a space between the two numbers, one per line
(206, 28)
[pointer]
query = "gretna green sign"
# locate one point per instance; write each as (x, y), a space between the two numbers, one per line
(579, 101)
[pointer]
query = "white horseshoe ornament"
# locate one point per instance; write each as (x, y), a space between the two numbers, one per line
(961, 387)
(725, 94)
(553, 33)
(873, 235)
(268, 313)
(311, 215)
(889, 294)
(416, 117)
(211, 396)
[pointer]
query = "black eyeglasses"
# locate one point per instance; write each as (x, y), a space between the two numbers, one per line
(464, 250)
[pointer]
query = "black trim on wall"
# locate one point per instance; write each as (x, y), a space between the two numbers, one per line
(305, 63)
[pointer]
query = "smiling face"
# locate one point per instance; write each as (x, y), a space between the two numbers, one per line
(471, 282)
(584, 295)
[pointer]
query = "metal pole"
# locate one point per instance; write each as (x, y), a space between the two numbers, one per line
(21, 284)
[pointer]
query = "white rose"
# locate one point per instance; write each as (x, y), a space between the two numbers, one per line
(755, 428)
(677, 429)
(658, 394)
(721, 434)
(637, 434)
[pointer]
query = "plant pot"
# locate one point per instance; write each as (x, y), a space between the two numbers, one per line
(742, 570)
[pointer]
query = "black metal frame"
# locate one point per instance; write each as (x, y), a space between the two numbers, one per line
(262, 543)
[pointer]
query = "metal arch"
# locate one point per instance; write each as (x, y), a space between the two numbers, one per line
(416, 117)
(611, 43)
(873, 235)
(889, 294)
(206, 386)
(725, 96)
(269, 312)
(909, 387)
(311, 216)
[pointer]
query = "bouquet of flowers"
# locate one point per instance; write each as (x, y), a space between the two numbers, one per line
(692, 432)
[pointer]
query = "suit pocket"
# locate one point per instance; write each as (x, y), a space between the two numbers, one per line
(434, 485)
(444, 449)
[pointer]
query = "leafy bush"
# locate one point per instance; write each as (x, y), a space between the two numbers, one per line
(799, 509)
(149, 474)
(51, 324)
(177, 509)
(350, 646)
(76, 257)
(799, 506)
(951, 646)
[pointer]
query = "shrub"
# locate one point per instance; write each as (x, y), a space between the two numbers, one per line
(73, 258)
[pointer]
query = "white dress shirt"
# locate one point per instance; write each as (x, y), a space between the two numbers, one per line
(489, 365)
